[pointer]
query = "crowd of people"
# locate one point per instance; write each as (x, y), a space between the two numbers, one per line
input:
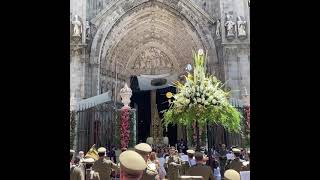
(161, 163)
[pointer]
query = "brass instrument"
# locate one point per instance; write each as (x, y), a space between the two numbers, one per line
(92, 153)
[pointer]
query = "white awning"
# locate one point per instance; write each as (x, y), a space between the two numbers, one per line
(93, 101)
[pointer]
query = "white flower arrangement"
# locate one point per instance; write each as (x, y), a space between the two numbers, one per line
(202, 98)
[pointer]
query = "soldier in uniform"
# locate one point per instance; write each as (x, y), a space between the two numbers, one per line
(174, 163)
(231, 174)
(132, 165)
(76, 171)
(90, 174)
(235, 164)
(104, 166)
(200, 169)
(190, 162)
(144, 150)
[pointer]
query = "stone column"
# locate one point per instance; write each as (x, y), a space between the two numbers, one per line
(77, 65)
(77, 49)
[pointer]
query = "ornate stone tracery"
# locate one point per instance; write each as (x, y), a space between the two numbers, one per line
(159, 29)
(152, 58)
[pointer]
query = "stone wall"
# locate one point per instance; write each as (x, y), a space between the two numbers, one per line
(111, 19)
(235, 51)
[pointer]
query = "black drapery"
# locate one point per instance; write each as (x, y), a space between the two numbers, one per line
(142, 99)
(163, 104)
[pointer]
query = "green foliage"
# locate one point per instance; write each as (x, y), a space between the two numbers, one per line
(202, 98)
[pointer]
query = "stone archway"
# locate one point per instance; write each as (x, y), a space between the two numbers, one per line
(148, 36)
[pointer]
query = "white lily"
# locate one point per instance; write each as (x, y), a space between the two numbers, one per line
(200, 52)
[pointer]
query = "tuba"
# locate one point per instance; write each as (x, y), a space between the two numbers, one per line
(92, 153)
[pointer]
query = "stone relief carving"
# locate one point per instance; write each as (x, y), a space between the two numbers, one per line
(152, 58)
(229, 27)
(76, 50)
(218, 29)
(241, 26)
(77, 26)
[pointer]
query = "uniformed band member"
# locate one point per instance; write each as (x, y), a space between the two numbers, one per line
(144, 150)
(90, 174)
(235, 164)
(231, 174)
(132, 165)
(200, 169)
(174, 163)
(104, 166)
(190, 162)
(76, 171)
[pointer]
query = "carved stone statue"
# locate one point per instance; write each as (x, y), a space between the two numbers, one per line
(229, 26)
(218, 29)
(126, 94)
(241, 26)
(87, 29)
(77, 26)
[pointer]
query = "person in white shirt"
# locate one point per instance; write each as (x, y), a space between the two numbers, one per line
(81, 155)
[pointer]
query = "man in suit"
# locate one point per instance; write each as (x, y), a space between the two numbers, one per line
(132, 165)
(200, 169)
(144, 150)
(76, 171)
(104, 166)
